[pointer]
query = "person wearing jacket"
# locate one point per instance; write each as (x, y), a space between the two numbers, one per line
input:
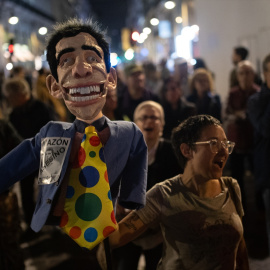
(258, 110)
(78, 55)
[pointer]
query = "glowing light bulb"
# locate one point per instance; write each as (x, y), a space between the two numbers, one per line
(42, 31)
(169, 4)
(154, 21)
(13, 20)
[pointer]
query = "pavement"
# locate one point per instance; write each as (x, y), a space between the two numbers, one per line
(53, 250)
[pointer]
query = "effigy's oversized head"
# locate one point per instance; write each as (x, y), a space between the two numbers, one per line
(81, 74)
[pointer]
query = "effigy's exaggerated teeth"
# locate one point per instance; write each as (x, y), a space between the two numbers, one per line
(85, 90)
(82, 98)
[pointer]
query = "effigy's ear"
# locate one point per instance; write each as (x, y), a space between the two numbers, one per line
(111, 79)
(53, 87)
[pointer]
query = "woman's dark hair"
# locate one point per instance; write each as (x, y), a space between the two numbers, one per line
(72, 28)
(189, 132)
(164, 87)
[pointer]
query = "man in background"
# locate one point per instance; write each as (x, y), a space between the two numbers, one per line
(258, 109)
(239, 54)
(28, 115)
(135, 91)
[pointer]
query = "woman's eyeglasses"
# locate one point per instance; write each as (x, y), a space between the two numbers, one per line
(215, 145)
(151, 117)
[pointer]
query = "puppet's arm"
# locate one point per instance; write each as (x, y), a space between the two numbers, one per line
(134, 178)
(20, 162)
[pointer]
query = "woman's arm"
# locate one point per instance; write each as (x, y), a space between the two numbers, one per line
(242, 256)
(129, 228)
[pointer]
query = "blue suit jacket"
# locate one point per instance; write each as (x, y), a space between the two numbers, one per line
(125, 154)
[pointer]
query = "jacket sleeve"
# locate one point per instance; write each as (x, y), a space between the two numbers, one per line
(20, 162)
(134, 177)
(259, 115)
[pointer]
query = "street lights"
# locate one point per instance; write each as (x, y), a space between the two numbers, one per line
(13, 20)
(169, 5)
(43, 31)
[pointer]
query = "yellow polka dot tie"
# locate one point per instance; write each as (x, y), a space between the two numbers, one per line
(88, 215)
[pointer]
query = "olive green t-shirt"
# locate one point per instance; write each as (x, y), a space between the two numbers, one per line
(198, 233)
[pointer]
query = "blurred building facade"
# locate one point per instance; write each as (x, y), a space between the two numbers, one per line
(24, 24)
(168, 29)
(192, 28)
(208, 29)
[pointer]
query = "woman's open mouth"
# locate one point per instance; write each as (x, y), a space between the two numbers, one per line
(219, 163)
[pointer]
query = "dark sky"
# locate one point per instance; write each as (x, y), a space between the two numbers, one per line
(112, 15)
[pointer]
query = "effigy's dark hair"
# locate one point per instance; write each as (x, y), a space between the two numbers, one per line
(189, 131)
(71, 28)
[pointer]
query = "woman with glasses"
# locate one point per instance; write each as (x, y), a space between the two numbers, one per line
(200, 211)
(162, 164)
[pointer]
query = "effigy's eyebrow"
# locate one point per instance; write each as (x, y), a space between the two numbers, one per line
(67, 50)
(91, 48)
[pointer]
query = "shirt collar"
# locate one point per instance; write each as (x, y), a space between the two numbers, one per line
(99, 124)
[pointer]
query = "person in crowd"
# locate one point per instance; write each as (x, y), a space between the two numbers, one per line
(199, 211)
(239, 54)
(110, 108)
(81, 75)
(164, 72)
(203, 95)
(200, 63)
(135, 91)
(181, 75)
(258, 110)
(21, 72)
(41, 93)
(3, 103)
(11, 256)
(28, 116)
(18, 72)
(176, 108)
(152, 80)
(120, 80)
(162, 164)
(237, 124)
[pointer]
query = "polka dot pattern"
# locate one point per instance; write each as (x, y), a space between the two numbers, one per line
(88, 215)
(106, 176)
(70, 192)
(92, 154)
(109, 195)
(91, 235)
(88, 206)
(75, 232)
(64, 219)
(108, 230)
(94, 140)
(101, 154)
(81, 159)
(89, 176)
